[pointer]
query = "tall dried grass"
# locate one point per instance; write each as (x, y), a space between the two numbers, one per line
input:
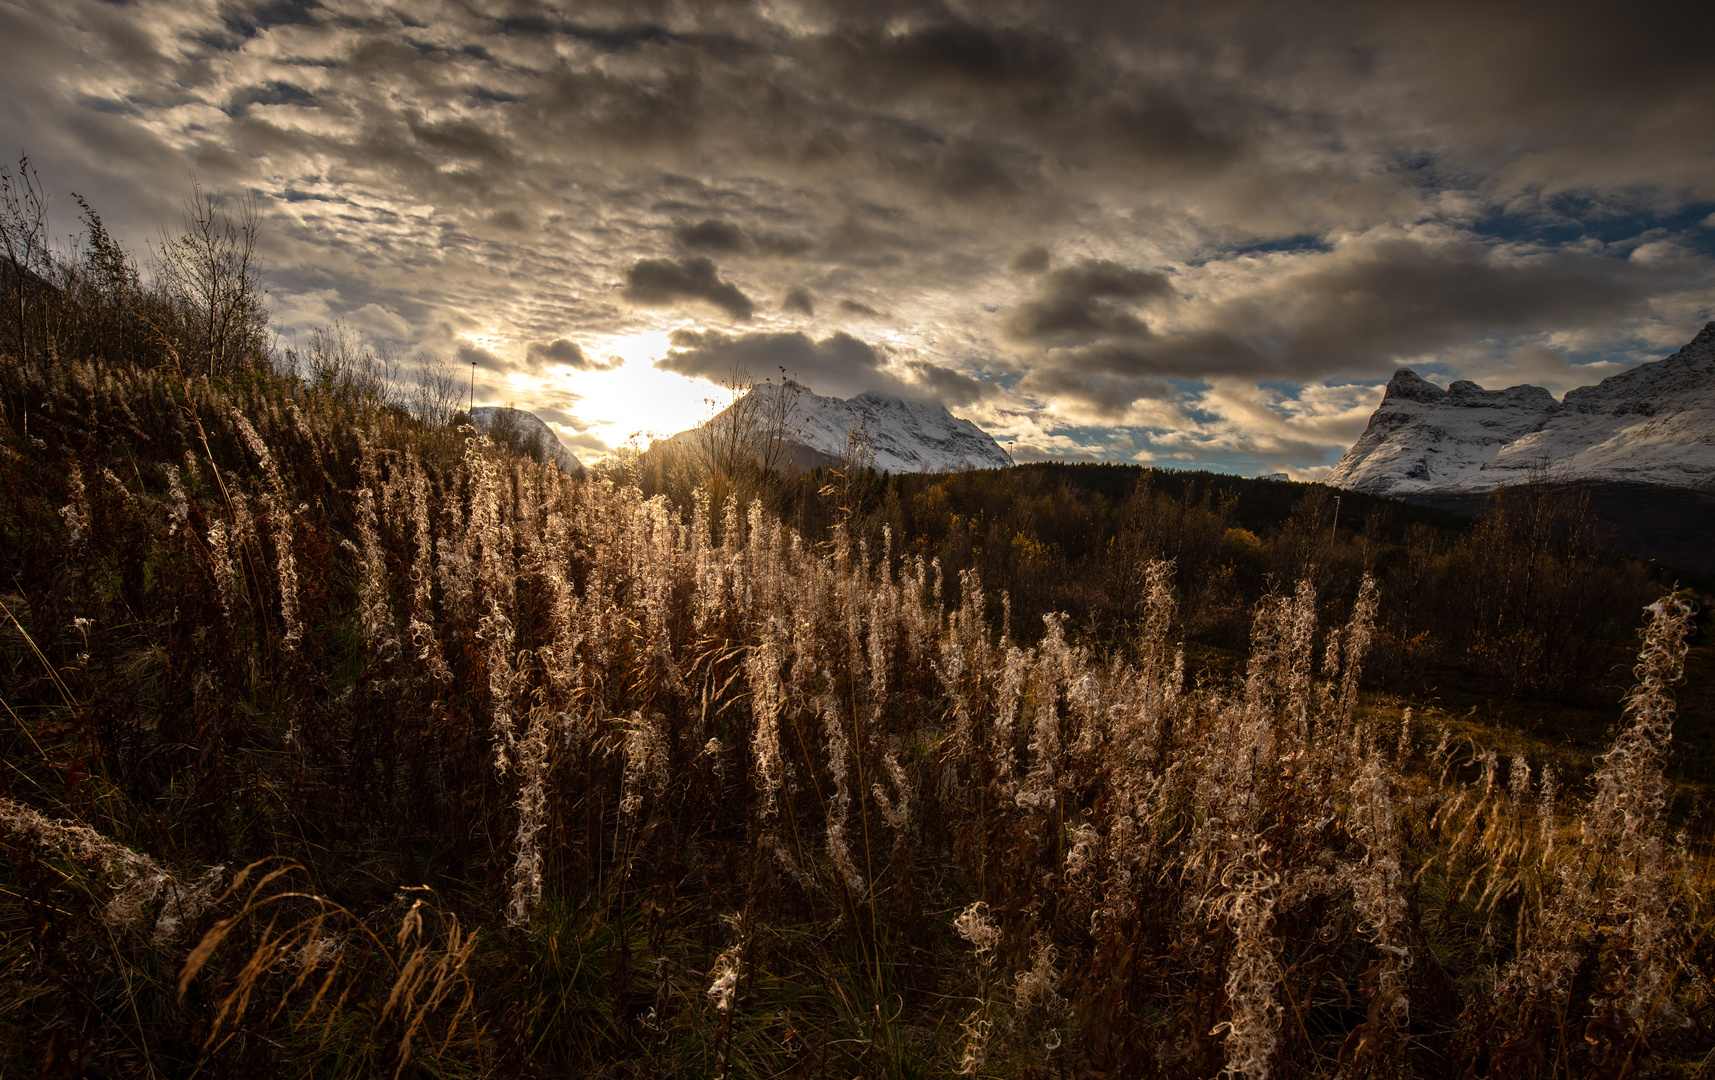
(392, 655)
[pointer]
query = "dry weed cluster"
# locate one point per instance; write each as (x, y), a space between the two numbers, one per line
(338, 744)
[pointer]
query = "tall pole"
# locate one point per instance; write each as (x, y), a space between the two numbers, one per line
(472, 403)
(1336, 529)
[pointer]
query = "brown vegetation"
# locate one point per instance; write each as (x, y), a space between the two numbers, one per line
(342, 744)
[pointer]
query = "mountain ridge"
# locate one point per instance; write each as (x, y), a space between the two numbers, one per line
(528, 431)
(904, 436)
(1652, 424)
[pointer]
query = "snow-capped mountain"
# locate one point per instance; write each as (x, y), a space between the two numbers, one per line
(905, 436)
(524, 428)
(1654, 424)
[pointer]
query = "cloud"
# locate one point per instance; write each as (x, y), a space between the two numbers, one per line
(1661, 252)
(1363, 308)
(668, 283)
(1300, 429)
(957, 60)
(1285, 196)
(949, 387)
(840, 364)
(712, 235)
(482, 358)
(379, 321)
(1029, 260)
(1093, 297)
(1538, 365)
(725, 237)
(567, 353)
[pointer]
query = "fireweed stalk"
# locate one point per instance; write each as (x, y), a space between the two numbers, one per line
(679, 700)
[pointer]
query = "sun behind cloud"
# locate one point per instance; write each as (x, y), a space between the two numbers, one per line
(635, 400)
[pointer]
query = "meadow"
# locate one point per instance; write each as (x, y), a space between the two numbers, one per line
(341, 740)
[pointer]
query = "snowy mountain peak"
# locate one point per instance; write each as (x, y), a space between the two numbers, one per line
(1653, 424)
(526, 432)
(1407, 384)
(905, 436)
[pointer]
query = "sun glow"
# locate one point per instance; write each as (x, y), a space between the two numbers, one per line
(635, 401)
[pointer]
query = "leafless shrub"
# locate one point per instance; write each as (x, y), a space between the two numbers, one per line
(211, 274)
(435, 394)
(338, 361)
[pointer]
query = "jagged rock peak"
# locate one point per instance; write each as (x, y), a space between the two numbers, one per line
(1642, 390)
(1652, 424)
(1408, 384)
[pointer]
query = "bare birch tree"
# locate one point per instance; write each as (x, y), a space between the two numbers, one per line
(213, 276)
(29, 260)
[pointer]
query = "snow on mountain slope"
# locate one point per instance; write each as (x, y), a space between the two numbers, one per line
(1654, 424)
(906, 436)
(527, 426)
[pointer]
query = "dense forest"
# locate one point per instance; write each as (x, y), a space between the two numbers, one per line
(344, 740)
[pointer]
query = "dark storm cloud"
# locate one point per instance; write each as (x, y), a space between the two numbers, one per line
(712, 235)
(1397, 298)
(1030, 260)
(1103, 381)
(950, 387)
(1157, 129)
(839, 364)
(1361, 309)
(564, 351)
(1095, 297)
(470, 355)
(1559, 95)
(724, 237)
(1232, 190)
(669, 283)
(460, 139)
(1041, 90)
(958, 59)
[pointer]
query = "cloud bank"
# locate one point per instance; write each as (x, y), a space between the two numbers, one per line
(1193, 233)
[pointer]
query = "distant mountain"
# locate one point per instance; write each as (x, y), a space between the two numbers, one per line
(1652, 425)
(905, 436)
(526, 432)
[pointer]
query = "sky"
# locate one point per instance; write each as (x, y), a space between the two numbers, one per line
(1194, 235)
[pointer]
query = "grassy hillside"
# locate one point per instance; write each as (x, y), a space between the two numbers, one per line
(340, 744)
(340, 740)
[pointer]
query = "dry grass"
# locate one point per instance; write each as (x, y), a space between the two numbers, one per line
(534, 774)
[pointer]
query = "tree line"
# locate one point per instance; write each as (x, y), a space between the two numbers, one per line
(1527, 599)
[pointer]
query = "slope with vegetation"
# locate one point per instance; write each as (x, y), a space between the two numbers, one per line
(344, 743)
